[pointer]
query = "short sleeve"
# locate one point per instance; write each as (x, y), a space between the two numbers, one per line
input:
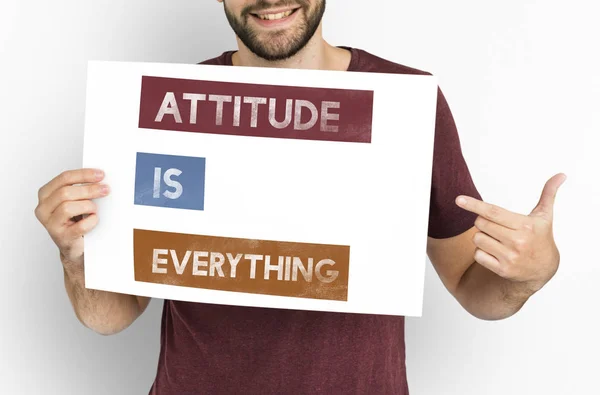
(450, 177)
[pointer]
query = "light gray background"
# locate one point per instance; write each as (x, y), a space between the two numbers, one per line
(522, 79)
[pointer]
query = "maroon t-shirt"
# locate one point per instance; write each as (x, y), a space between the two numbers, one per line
(218, 349)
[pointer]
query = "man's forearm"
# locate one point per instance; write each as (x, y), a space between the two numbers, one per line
(488, 296)
(104, 312)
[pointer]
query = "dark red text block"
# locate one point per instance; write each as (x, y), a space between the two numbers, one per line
(259, 110)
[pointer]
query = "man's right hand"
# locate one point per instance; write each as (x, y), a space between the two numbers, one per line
(67, 211)
(65, 208)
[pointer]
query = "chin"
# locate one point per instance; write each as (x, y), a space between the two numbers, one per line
(276, 47)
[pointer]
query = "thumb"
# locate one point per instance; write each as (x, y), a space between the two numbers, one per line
(545, 205)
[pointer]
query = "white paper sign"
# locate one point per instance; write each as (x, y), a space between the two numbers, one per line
(294, 189)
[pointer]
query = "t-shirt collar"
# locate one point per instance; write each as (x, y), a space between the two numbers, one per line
(353, 66)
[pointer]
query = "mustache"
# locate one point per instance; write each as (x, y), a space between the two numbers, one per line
(262, 5)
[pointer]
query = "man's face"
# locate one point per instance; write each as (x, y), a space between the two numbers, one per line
(274, 29)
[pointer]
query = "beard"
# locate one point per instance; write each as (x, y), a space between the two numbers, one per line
(279, 44)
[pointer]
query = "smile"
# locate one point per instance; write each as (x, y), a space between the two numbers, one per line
(275, 16)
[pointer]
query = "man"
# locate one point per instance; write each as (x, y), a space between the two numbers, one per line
(490, 259)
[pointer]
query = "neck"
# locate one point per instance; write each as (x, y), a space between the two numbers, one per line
(317, 54)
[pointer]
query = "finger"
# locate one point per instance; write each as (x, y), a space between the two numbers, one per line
(545, 204)
(498, 232)
(81, 228)
(70, 240)
(491, 246)
(488, 261)
(65, 212)
(491, 212)
(70, 193)
(70, 177)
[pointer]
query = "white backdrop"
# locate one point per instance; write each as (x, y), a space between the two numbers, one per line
(522, 79)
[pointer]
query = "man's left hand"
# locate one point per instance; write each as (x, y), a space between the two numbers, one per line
(519, 248)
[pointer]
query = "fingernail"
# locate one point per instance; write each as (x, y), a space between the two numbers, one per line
(99, 174)
(461, 201)
(104, 189)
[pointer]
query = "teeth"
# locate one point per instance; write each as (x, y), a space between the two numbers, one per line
(272, 17)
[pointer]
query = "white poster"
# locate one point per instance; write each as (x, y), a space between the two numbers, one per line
(294, 189)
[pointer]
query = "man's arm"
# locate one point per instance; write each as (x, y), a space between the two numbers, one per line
(480, 291)
(62, 203)
(496, 266)
(106, 313)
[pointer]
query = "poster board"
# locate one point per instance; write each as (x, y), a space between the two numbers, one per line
(293, 189)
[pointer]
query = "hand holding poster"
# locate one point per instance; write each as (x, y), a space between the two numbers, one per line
(297, 189)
